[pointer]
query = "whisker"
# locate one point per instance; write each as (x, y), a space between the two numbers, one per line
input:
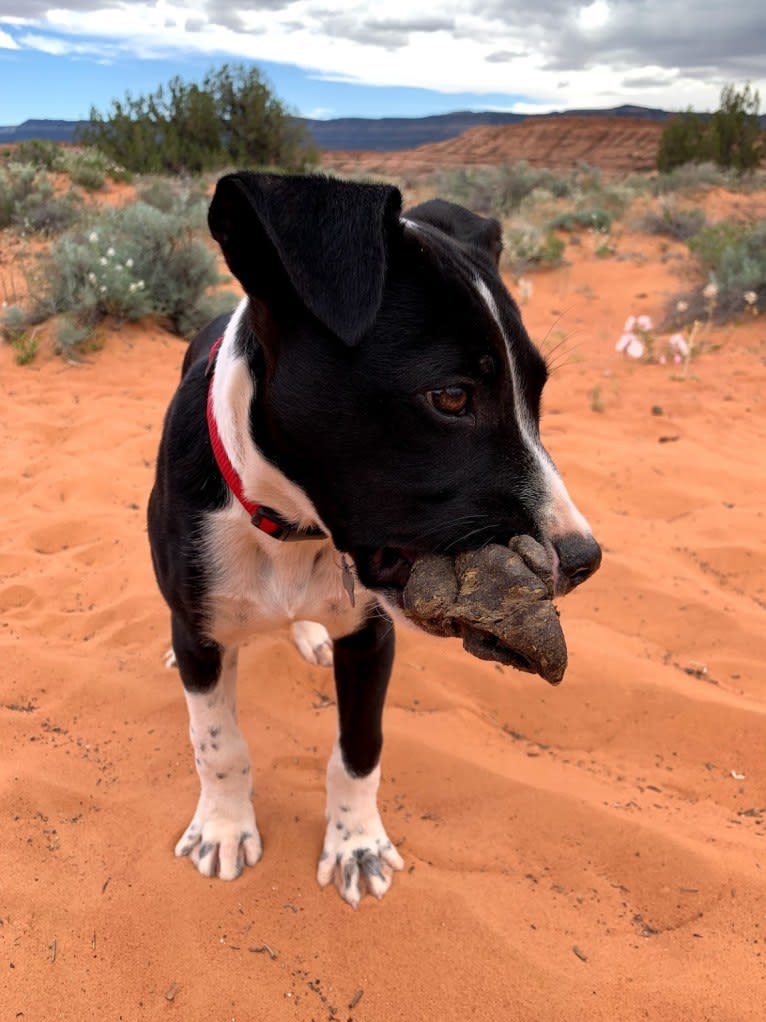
(464, 520)
(491, 527)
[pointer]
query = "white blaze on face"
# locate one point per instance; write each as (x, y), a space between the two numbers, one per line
(558, 516)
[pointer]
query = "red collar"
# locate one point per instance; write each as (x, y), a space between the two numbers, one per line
(262, 517)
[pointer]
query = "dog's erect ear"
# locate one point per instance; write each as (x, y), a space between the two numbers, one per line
(329, 237)
(470, 228)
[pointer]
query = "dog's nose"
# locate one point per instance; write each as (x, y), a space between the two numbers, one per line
(579, 556)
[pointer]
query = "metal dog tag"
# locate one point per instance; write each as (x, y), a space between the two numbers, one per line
(348, 580)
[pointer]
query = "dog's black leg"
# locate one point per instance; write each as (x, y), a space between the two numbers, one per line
(222, 837)
(357, 852)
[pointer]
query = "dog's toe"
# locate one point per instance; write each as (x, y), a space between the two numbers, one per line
(313, 642)
(222, 847)
(359, 862)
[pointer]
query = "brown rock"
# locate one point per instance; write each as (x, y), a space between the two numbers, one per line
(499, 600)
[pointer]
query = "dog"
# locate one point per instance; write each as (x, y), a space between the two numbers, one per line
(373, 397)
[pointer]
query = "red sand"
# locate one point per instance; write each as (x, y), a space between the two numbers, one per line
(592, 852)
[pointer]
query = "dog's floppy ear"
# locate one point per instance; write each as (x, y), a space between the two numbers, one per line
(329, 237)
(460, 223)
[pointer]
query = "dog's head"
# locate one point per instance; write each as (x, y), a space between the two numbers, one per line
(398, 387)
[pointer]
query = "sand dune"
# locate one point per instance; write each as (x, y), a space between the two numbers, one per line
(593, 852)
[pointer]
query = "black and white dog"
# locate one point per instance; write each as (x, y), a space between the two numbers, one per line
(374, 396)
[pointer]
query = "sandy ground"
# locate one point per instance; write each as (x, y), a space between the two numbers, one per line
(596, 851)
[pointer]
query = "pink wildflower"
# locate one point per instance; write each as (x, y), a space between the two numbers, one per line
(635, 348)
(644, 323)
(625, 340)
(679, 344)
(630, 324)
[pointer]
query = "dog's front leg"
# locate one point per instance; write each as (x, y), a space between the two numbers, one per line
(222, 837)
(357, 852)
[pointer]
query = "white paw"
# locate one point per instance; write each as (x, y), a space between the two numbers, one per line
(221, 843)
(313, 642)
(359, 856)
(170, 659)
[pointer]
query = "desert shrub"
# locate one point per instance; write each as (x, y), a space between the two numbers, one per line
(40, 153)
(14, 330)
(528, 247)
(48, 214)
(690, 177)
(17, 182)
(87, 174)
(683, 140)
(585, 219)
(672, 222)
(28, 201)
(72, 337)
(12, 323)
(131, 262)
(171, 194)
(731, 137)
(89, 168)
(498, 191)
(733, 259)
(232, 117)
(710, 243)
(741, 271)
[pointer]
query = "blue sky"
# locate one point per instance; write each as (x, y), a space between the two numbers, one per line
(333, 58)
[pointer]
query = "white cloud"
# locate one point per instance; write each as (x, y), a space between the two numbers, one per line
(46, 44)
(609, 51)
(7, 42)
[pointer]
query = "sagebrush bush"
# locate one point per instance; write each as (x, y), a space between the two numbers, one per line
(17, 182)
(173, 194)
(40, 153)
(741, 272)
(28, 201)
(691, 177)
(673, 221)
(585, 219)
(528, 247)
(709, 244)
(498, 191)
(732, 257)
(89, 168)
(129, 263)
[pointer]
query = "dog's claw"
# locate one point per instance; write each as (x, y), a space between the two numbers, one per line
(221, 847)
(359, 862)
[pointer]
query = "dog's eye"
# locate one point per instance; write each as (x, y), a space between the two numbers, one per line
(449, 400)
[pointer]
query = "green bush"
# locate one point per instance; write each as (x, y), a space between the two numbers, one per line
(731, 137)
(498, 191)
(710, 243)
(690, 177)
(741, 271)
(171, 194)
(28, 201)
(530, 248)
(40, 153)
(672, 222)
(733, 258)
(232, 118)
(131, 262)
(585, 219)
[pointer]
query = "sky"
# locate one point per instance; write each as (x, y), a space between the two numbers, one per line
(356, 58)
